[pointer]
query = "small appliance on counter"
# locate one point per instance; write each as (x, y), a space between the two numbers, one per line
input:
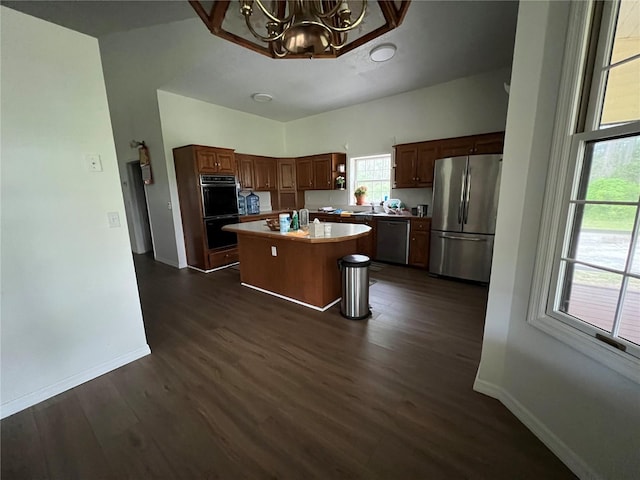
(422, 209)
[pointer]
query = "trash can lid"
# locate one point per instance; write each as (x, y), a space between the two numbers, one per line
(356, 261)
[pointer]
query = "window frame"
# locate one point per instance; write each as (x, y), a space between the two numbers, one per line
(353, 183)
(567, 153)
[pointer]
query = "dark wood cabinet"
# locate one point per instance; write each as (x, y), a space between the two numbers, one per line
(286, 174)
(319, 172)
(304, 173)
(472, 145)
(190, 162)
(245, 171)
(214, 160)
(322, 173)
(265, 173)
(414, 164)
(257, 173)
(287, 185)
(419, 239)
(489, 143)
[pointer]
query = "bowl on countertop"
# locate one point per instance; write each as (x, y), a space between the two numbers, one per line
(273, 224)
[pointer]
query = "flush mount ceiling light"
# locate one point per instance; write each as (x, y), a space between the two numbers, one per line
(262, 97)
(382, 53)
(301, 28)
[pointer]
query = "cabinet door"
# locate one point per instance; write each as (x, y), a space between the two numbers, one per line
(207, 161)
(406, 157)
(489, 143)
(419, 249)
(456, 147)
(427, 155)
(286, 175)
(262, 174)
(245, 171)
(226, 162)
(304, 174)
(322, 173)
(286, 201)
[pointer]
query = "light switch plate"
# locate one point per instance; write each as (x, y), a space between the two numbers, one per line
(114, 219)
(94, 164)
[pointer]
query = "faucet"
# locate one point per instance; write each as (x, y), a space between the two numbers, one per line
(373, 209)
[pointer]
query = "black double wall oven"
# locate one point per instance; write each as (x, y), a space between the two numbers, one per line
(220, 208)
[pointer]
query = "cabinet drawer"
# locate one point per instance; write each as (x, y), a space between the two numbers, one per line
(225, 257)
(420, 224)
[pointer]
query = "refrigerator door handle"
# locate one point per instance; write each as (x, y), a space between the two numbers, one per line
(467, 195)
(461, 207)
(468, 239)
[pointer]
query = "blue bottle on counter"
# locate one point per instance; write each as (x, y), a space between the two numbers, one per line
(253, 204)
(241, 205)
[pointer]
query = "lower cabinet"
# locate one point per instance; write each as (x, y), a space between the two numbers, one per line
(223, 257)
(419, 239)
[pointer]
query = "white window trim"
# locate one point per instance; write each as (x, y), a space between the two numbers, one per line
(351, 184)
(551, 230)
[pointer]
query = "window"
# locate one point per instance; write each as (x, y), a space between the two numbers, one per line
(374, 173)
(587, 281)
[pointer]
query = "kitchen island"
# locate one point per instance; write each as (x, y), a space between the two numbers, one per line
(297, 267)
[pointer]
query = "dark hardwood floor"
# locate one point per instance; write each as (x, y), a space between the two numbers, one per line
(244, 385)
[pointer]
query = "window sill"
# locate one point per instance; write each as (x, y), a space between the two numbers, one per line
(623, 363)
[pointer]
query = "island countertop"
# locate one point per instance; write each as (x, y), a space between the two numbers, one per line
(339, 232)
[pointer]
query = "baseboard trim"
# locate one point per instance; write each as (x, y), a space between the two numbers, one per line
(560, 449)
(167, 262)
(26, 401)
(289, 299)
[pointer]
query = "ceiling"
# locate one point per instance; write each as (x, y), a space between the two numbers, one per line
(438, 41)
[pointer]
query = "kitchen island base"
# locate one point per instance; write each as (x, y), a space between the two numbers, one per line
(305, 273)
(296, 266)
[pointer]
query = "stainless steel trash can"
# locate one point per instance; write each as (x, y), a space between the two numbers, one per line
(355, 286)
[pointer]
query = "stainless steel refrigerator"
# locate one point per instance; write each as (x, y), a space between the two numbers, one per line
(465, 204)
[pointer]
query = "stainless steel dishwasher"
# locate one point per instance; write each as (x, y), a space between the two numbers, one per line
(393, 240)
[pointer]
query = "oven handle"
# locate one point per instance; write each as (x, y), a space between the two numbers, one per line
(218, 217)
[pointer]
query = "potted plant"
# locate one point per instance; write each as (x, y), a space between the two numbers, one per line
(361, 195)
(340, 182)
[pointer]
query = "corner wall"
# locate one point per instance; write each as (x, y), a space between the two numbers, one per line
(70, 309)
(188, 121)
(587, 414)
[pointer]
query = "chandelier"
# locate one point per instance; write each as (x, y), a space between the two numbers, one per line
(301, 28)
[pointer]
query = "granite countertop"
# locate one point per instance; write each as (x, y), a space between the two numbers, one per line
(339, 232)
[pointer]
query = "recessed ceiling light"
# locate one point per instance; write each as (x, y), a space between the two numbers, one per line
(382, 53)
(262, 97)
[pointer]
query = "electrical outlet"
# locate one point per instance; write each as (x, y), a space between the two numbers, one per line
(114, 219)
(168, 205)
(94, 164)
(274, 252)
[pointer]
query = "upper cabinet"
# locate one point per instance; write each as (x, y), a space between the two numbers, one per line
(287, 174)
(318, 172)
(265, 173)
(414, 162)
(214, 160)
(472, 145)
(245, 171)
(256, 172)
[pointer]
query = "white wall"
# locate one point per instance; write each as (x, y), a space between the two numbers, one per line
(70, 308)
(187, 121)
(586, 413)
(465, 106)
